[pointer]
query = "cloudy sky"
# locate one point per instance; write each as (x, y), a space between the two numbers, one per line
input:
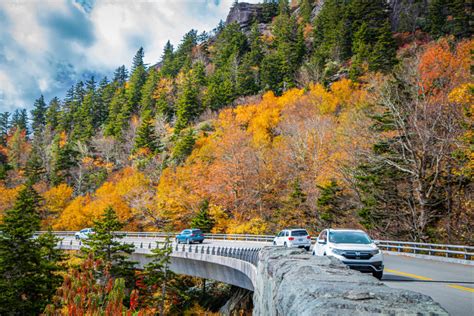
(47, 45)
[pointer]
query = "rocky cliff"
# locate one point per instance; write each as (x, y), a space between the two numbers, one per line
(292, 282)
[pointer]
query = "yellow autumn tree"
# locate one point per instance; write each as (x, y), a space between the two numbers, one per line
(7, 198)
(55, 201)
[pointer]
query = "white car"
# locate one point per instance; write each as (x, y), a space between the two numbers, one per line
(352, 247)
(84, 233)
(293, 238)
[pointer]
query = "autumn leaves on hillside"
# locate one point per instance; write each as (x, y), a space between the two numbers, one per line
(391, 154)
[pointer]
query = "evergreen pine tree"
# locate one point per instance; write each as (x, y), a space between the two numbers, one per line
(168, 68)
(64, 158)
(269, 10)
(220, 90)
(4, 127)
(53, 114)
(19, 121)
(330, 204)
(437, 17)
(146, 137)
(84, 116)
(28, 266)
(105, 244)
(256, 46)
(35, 166)
(120, 76)
(361, 51)
(182, 57)
(66, 119)
(105, 93)
(305, 11)
(247, 77)
(38, 116)
(203, 220)
(289, 42)
(148, 102)
(283, 7)
(188, 105)
(158, 276)
(383, 55)
(271, 74)
(113, 126)
(183, 147)
(460, 12)
(134, 89)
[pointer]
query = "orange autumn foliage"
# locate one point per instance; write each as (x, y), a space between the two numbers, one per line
(245, 166)
(55, 200)
(7, 198)
(122, 192)
(443, 67)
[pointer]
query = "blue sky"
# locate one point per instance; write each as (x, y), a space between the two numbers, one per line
(47, 45)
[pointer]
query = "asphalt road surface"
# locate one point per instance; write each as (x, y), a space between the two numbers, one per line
(450, 284)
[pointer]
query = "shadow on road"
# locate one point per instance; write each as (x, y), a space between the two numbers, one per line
(399, 278)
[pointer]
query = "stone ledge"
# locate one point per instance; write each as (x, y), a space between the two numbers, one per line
(292, 282)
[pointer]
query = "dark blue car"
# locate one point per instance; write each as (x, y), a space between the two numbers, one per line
(190, 236)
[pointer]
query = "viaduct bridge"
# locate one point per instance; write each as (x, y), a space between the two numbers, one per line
(422, 279)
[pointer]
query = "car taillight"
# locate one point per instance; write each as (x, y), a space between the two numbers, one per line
(308, 237)
(291, 238)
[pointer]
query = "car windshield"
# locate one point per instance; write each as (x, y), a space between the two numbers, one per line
(184, 232)
(301, 232)
(349, 238)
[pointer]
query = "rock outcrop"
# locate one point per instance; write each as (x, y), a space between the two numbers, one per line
(292, 282)
(244, 14)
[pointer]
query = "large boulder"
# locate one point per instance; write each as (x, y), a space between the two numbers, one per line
(292, 282)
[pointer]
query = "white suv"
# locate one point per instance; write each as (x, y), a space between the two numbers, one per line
(352, 247)
(293, 238)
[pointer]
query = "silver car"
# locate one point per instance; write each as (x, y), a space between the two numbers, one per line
(298, 238)
(353, 247)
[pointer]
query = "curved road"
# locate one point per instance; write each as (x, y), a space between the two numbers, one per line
(450, 284)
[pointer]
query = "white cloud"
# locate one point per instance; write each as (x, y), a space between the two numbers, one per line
(46, 45)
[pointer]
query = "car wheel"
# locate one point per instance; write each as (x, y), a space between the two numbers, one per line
(77, 237)
(274, 243)
(378, 274)
(307, 248)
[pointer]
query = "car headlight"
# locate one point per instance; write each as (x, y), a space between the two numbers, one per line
(374, 252)
(337, 251)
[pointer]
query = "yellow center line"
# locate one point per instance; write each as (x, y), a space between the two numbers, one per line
(419, 277)
(462, 288)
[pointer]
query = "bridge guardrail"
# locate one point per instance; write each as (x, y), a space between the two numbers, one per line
(434, 250)
(444, 250)
(241, 253)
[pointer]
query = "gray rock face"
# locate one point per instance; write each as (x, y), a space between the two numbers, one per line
(292, 282)
(244, 14)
